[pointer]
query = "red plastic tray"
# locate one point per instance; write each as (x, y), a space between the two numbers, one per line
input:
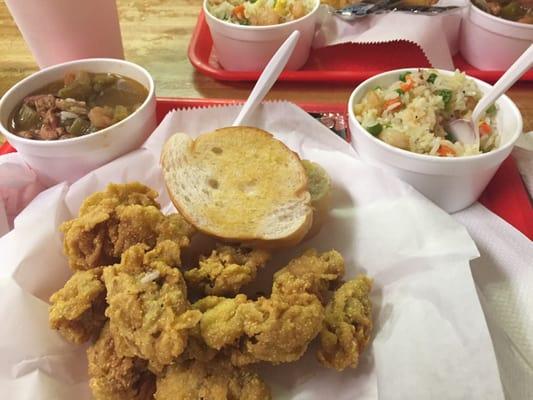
(347, 62)
(505, 195)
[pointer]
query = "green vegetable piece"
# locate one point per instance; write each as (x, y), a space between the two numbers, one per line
(449, 137)
(512, 11)
(403, 75)
(78, 127)
(399, 91)
(27, 119)
(120, 113)
(76, 90)
(432, 77)
(446, 96)
(491, 110)
(377, 87)
(375, 129)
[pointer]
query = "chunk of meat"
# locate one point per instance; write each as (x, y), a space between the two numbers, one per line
(73, 106)
(42, 103)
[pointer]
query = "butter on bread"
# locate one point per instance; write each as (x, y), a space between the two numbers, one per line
(239, 184)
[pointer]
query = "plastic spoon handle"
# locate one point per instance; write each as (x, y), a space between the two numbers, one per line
(268, 77)
(515, 71)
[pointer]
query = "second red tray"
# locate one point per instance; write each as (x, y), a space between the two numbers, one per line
(347, 62)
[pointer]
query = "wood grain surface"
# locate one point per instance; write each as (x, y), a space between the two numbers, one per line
(156, 35)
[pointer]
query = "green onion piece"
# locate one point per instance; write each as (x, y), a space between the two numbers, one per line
(375, 129)
(79, 127)
(432, 77)
(449, 137)
(377, 87)
(399, 91)
(403, 75)
(446, 96)
(491, 110)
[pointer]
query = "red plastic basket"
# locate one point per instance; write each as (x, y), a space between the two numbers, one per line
(347, 62)
(505, 195)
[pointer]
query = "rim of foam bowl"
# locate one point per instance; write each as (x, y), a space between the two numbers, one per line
(259, 27)
(64, 142)
(516, 30)
(429, 157)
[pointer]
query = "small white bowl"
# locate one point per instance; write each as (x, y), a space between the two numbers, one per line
(67, 160)
(492, 43)
(451, 183)
(250, 48)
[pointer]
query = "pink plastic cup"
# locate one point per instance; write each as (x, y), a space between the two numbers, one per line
(64, 30)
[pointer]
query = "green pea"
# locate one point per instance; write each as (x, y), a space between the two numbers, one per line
(431, 78)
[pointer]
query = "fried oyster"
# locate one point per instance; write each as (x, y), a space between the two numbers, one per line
(150, 316)
(213, 380)
(347, 325)
(77, 309)
(114, 377)
(113, 220)
(277, 329)
(226, 270)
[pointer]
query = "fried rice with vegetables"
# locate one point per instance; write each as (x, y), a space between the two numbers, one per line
(413, 112)
(260, 12)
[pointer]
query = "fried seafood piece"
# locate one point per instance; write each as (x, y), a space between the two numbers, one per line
(311, 273)
(77, 309)
(111, 221)
(347, 325)
(113, 377)
(150, 316)
(277, 329)
(226, 270)
(214, 380)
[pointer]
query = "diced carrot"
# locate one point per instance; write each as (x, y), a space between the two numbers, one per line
(396, 102)
(484, 129)
(408, 84)
(445, 151)
(238, 11)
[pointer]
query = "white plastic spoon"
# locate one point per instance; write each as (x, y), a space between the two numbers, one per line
(467, 131)
(268, 77)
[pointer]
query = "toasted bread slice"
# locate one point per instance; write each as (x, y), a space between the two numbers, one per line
(239, 184)
(319, 185)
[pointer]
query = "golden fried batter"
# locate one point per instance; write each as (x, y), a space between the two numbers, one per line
(111, 221)
(214, 380)
(150, 316)
(117, 378)
(276, 329)
(77, 310)
(311, 273)
(347, 325)
(226, 270)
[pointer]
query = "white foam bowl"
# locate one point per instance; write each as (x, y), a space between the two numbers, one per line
(250, 48)
(451, 183)
(67, 160)
(491, 43)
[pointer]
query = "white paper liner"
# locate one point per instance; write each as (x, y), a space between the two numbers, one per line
(431, 339)
(436, 35)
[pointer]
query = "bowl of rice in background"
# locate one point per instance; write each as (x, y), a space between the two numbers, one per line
(246, 34)
(398, 121)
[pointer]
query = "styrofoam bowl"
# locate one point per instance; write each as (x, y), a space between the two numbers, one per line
(67, 160)
(250, 48)
(492, 43)
(451, 183)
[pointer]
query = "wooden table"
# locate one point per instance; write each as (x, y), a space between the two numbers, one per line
(156, 35)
